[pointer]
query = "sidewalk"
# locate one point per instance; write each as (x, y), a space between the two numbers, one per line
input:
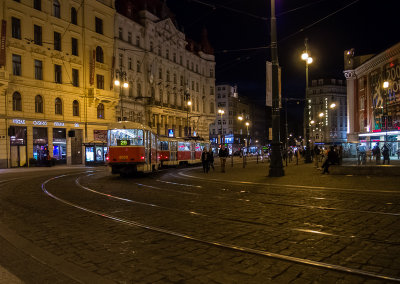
(302, 174)
(37, 169)
(7, 277)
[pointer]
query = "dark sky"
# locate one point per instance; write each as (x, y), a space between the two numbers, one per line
(369, 26)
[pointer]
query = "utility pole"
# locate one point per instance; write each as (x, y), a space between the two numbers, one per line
(276, 166)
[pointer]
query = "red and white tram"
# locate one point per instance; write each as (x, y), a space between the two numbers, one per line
(132, 147)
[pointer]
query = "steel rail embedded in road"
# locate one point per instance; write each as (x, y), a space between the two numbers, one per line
(193, 213)
(218, 244)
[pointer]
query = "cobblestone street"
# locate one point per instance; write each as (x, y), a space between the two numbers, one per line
(83, 225)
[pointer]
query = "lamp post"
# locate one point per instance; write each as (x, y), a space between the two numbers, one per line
(276, 165)
(188, 104)
(248, 137)
(121, 82)
(308, 59)
(385, 87)
(221, 113)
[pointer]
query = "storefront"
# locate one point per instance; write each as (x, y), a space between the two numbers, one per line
(18, 143)
(380, 138)
(95, 154)
(40, 145)
(60, 145)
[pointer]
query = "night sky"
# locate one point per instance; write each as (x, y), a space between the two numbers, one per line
(369, 26)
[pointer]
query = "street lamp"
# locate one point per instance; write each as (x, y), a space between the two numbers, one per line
(221, 113)
(385, 87)
(308, 59)
(248, 137)
(276, 165)
(121, 76)
(189, 103)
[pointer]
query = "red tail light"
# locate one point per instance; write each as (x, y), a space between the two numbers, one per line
(142, 157)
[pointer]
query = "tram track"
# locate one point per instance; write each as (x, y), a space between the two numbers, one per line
(194, 213)
(215, 243)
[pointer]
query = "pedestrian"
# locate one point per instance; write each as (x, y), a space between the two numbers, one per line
(330, 160)
(316, 155)
(210, 158)
(386, 154)
(223, 154)
(204, 160)
(398, 154)
(377, 153)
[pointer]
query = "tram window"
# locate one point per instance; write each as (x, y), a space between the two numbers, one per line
(174, 145)
(126, 137)
(164, 145)
(198, 147)
(184, 146)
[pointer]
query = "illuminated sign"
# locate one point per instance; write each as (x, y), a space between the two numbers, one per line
(38, 122)
(170, 133)
(123, 142)
(76, 124)
(18, 121)
(58, 123)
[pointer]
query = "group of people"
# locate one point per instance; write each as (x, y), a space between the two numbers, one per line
(384, 152)
(327, 157)
(207, 158)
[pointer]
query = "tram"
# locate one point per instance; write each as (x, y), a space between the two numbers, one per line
(132, 147)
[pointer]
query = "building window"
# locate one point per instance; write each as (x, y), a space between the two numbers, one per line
(138, 66)
(57, 41)
(38, 104)
(58, 106)
(211, 90)
(174, 57)
(37, 4)
(121, 57)
(197, 68)
(159, 51)
(151, 46)
(168, 77)
(139, 90)
(129, 63)
(175, 78)
(37, 35)
(74, 46)
(16, 60)
(180, 59)
(57, 74)
(17, 102)
(129, 37)
(160, 73)
(75, 77)
(137, 40)
(100, 81)
(120, 33)
(16, 28)
(75, 108)
(99, 55)
(212, 107)
(56, 8)
(131, 89)
(167, 54)
(99, 25)
(100, 111)
(211, 73)
(38, 70)
(74, 16)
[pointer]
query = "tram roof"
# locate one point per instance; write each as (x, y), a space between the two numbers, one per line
(128, 125)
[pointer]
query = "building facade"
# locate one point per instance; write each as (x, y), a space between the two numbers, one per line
(171, 78)
(55, 66)
(328, 112)
(374, 109)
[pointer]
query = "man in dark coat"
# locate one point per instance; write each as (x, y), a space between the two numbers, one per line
(223, 154)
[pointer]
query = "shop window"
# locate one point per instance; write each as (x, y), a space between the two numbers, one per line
(74, 46)
(60, 145)
(75, 77)
(57, 74)
(37, 34)
(74, 16)
(58, 106)
(38, 104)
(56, 8)
(100, 81)
(17, 102)
(16, 61)
(38, 70)
(75, 108)
(37, 4)
(99, 55)
(100, 111)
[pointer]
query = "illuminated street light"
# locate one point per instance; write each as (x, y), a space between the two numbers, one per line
(312, 122)
(126, 85)
(321, 114)
(117, 83)
(121, 76)
(221, 113)
(333, 105)
(309, 60)
(189, 103)
(385, 84)
(240, 117)
(304, 56)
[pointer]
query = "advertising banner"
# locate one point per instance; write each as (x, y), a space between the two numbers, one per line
(3, 43)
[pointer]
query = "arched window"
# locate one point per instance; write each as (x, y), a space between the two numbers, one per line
(17, 102)
(100, 111)
(56, 8)
(75, 108)
(38, 104)
(99, 54)
(74, 16)
(58, 106)
(139, 90)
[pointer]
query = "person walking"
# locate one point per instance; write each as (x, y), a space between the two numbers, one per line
(223, 154)
(316, 155)
(377, 153)
(330, 160)
(204, 160)
(386, 154)
(210, 158)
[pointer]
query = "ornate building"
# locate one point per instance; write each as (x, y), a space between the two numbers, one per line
(164, 71)
(55, 70)
(374, 109)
